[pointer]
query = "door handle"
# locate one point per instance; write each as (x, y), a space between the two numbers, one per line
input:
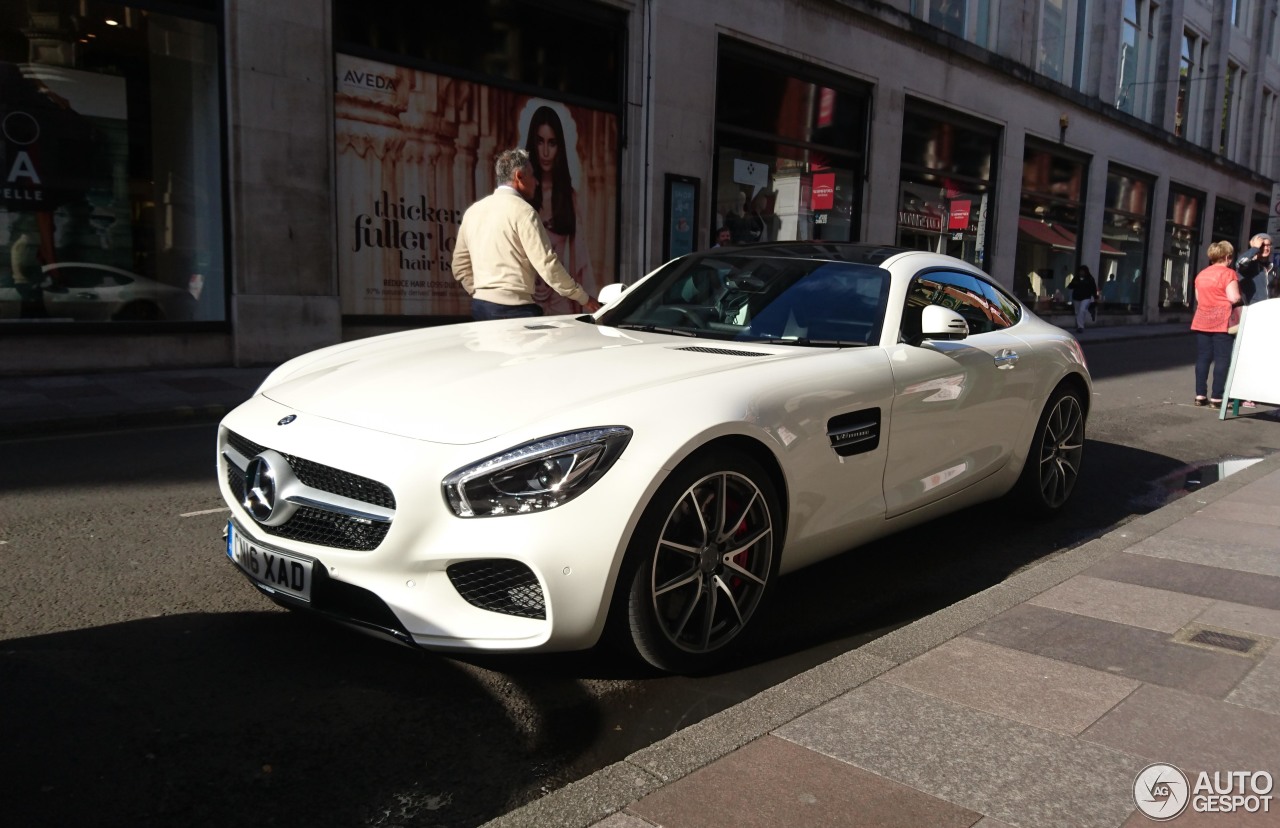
(1006, 359)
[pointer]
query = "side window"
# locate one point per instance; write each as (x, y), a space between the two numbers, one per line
(965, 294)
(1005, 309)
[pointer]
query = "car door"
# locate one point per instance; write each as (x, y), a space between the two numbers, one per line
(86, 294)
(958, 405)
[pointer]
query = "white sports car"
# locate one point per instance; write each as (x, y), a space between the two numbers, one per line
(651, 471)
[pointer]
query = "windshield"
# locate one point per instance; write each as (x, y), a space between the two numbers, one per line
(747, 298)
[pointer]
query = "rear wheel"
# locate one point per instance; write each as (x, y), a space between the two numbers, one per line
(702, 560)
(1053, 463)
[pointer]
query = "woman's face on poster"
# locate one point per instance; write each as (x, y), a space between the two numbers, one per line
(548, 147)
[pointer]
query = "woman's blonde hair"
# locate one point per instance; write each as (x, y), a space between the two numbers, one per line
(1221, 251)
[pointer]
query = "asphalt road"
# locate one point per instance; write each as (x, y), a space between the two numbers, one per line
(143, 682)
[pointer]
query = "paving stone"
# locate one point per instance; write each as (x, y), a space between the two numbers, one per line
(1016, 773)
(1145, 655)
(622, 819)
(1027, 688)
(1192, 579)
(1261, 688)
(772, 782)
(1254, 620)
(1244, 511)
(1137, 606)
(1238, 549)
(1190, 731)
(1191, 819)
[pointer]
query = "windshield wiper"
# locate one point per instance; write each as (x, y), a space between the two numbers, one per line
(629, 326)
(801, 340)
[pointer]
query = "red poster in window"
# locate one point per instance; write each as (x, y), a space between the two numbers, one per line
(824, 191)
(959, 214)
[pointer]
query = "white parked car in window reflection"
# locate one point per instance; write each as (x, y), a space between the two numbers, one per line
(647, 472)
(88, 292)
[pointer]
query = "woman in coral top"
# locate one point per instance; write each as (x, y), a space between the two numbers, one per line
(1217, 314)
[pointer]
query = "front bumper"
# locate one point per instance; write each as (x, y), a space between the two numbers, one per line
(434, 579)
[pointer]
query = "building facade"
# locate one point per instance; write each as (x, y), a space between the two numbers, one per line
(217, 182)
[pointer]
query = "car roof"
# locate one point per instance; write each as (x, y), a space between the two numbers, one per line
(852, 252)
(875, 255)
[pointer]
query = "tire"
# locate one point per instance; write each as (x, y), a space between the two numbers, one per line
(700, 564)
(1053, 461)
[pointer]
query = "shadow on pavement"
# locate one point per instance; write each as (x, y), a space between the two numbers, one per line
(267, 719)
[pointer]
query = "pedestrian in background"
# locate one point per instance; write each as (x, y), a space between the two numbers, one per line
(1217, 314)
(1084, 292)
(1256, 269)
(503, 247)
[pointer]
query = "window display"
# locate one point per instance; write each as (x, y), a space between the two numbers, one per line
(790, 150)
(1125, 222)
(1181, 249)
(111, 210)
(946, 186)
(1053, 195)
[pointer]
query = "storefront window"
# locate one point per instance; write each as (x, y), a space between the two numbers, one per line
(944, 195)
(111, 208)
(790, 150)
(1053, 193)
(1181, 248)
(1125, 224)
(426, 97)
(1228, 222)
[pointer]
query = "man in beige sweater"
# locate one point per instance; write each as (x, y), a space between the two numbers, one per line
(502, 248)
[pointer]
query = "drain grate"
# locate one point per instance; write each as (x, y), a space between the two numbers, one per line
(1235, 643)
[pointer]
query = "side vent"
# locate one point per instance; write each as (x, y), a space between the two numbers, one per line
(855, 433)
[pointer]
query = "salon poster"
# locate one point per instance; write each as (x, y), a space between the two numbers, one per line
(414, 149)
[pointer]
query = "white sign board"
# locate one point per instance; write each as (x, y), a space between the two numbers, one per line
(1254, 374)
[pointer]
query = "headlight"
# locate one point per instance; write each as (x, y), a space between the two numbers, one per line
(536, 476)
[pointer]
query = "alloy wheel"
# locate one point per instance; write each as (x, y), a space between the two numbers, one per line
(1061, 449)
(712, 562)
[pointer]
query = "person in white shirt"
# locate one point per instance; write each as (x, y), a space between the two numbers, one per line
(503, 247)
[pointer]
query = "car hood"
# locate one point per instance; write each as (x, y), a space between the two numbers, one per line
(467, 383)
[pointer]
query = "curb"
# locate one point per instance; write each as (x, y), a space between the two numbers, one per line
(118, 421)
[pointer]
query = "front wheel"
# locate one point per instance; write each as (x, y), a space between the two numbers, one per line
(1053, 463)
(700, 563)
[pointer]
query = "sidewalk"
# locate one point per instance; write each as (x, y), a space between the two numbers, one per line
(1034, 703)
(31, 406)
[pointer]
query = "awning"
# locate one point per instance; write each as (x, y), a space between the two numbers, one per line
(1106, 249)
(1045, 234)
(1058, 237)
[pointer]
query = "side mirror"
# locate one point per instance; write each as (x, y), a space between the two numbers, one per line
(610, 292)
(937, 322)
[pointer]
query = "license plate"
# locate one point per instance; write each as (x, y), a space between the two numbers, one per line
(275, 570)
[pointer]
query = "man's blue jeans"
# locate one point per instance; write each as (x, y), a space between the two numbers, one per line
(1213, 348)
(482, 310)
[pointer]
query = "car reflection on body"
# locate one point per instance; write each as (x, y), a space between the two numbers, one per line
(87, 292)
(649, 472)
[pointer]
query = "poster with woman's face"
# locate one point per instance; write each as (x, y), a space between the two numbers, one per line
(414, 149)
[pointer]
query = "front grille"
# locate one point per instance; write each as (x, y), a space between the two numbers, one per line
(320, 526)
(329, 479)
(322, 477)
(504, 586)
